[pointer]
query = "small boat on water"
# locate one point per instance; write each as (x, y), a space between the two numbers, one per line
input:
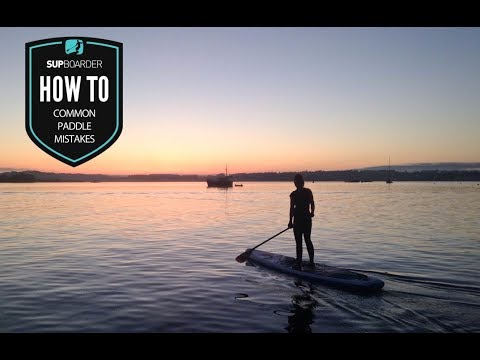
(238, 184)
(221, 180)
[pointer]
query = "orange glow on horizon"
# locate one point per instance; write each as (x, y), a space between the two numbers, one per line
(125, 157)
(196, 152)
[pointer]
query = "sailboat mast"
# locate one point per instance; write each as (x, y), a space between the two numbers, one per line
(389, 176)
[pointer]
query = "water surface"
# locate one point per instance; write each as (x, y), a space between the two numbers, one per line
(159, 257)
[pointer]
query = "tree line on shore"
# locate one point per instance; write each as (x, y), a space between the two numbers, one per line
(310, 176)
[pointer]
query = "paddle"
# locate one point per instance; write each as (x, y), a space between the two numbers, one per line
(244, 256)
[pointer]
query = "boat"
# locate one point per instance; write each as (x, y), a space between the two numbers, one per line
(238, 184)
(221, 180)
(324, 274)
(389, 176)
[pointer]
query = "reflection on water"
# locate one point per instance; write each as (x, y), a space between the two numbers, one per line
(303, 306)
(136, 257)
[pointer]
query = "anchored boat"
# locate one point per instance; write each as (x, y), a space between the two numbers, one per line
(221, 180)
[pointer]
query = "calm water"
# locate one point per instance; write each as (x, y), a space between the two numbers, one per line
(159, 257)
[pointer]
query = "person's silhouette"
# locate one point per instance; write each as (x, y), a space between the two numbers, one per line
(302, 209)
(77, 46)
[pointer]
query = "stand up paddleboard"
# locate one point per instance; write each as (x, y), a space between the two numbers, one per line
(324, 274)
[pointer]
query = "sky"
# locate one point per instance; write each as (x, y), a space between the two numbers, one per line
(269, 99)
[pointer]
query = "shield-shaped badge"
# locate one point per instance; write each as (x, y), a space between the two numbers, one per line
(73, 96)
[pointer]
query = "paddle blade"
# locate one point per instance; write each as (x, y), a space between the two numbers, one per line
(244, 256)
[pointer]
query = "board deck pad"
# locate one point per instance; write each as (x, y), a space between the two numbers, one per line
(322, 273)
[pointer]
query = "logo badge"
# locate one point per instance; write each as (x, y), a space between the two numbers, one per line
(74, 96)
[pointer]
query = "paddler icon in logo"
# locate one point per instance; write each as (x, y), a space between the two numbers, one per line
(74, 47)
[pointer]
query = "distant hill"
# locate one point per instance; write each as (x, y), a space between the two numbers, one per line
(38, 176)
(2, 170)
(447, 166)
(364, 175)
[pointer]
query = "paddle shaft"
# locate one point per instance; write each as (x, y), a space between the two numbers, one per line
(270, 238)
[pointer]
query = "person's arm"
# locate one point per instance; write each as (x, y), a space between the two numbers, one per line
(312, 205)
(290, 217)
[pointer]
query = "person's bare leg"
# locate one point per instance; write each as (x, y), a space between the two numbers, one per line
(298, 240)
(308, 242)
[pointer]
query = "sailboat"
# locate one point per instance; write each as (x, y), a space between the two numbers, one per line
(389, 176)
(221, 180)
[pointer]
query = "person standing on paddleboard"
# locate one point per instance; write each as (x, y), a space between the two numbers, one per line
(302, 209)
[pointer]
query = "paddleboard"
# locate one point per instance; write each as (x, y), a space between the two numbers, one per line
(328, 275)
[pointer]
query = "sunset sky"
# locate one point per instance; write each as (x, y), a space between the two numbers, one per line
(270, 99)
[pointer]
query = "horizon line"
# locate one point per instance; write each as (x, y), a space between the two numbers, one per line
(7, 169)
